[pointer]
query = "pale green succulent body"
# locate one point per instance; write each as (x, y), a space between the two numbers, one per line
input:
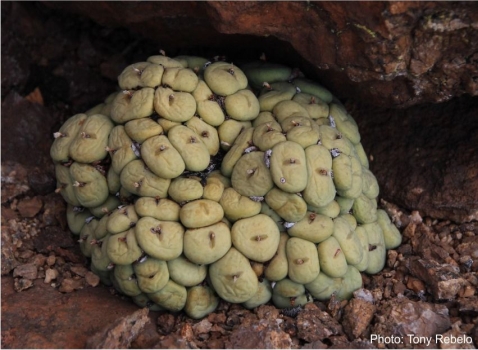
(186, 188)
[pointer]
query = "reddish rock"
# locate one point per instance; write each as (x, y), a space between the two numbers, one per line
(455, 338)
(358, 314)
(9, 262)
(41, 317)
(69, 285)
(314, 324)
(92, 279)
(399, 317)
(443, 280)
(468, 305)
(28, 271)
(21, 284)
(425, 158)
(29, 207)
(384, 53)
(121, 333)
(14, 175)
(259, 335)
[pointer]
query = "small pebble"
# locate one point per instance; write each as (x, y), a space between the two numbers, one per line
(79, 270)
(50, 275)
(92, 279)
(68, 285)
(51, 260)
(28, 271)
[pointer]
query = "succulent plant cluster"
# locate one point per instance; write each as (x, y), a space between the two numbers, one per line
(199, 181)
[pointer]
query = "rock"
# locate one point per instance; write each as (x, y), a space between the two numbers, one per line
(314, 324)
(50, 261)
(166, 323)
(259, 335)
(51, 238)
(8, 214)
(120, 333)
(420, 172)
(79, 270)
(27, 141)
(30, 207)
(69, 285)
(39, 260)
(54, 211)
(22, 284)
(442, 279)
(387, 54)
(400, 317)
(468, 305)
(146, 338)
(203, 326)
(40, 181)
(9, 262)
(455, 338)
(92, 279)
(41, 317)
(358, 314)
(28, 271)
(416, 285)
(317, 344)
(14, 179)
(469, 246)
(50, 275)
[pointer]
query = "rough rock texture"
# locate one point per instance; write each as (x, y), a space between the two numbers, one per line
(443, 280)
(425, 157)
(57, 320)
(61, 64)
(408, 317)
(121, 333)
(385, 53)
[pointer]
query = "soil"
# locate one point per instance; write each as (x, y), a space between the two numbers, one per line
(55, 65)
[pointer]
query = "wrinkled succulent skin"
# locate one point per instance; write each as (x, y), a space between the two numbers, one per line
(199, 181)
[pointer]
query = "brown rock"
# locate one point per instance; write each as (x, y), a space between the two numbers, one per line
(9, 262)
(50, 275)
(267, 312)
(62, 320)
(8, 214)
(92, 279)
(455, 338)
(259, 334)
(50, 261)
(14, 177)
(22, 284)
(166, 323)
(314, 324)
(443, 280)
(39, 260)
(469, 247)
(420, 172)
(30, 207)
(28, 271)
(468, 305)
(79, 270)
(146, 338)
(416, 285)
(51, 238)
(203, 326)
(358, 314)
(27, 140)
(399, 317)
(385, 57)
(69, 285)
(120, 333)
